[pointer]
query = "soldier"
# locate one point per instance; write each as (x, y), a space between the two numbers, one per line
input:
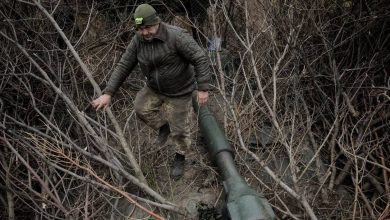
(174, 66)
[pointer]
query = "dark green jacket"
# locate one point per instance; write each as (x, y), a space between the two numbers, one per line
(165, 62)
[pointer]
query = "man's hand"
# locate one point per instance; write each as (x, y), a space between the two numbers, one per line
(203, 97)
(102, 102)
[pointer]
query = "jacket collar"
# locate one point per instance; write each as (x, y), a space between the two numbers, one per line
(162, 32)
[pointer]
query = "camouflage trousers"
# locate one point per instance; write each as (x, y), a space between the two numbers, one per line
(155, 110)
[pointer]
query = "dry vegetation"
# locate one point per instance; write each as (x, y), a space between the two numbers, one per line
(303, 85)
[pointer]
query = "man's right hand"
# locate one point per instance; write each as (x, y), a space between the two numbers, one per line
(102, 102)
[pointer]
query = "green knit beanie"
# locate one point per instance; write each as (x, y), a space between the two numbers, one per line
(145, 15)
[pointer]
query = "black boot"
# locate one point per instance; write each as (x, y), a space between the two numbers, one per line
(178, 166)
(163, 134)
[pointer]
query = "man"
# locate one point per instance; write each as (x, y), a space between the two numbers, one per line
(174, 66)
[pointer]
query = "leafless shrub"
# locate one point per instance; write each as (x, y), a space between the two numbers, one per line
(303, 87)
(316, 72)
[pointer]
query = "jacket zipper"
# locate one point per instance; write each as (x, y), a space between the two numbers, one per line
(155, 67)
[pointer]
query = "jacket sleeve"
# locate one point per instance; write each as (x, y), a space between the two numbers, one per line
(188, 48)
(123, 69)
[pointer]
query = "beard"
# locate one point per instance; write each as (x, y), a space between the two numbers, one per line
(148, 37)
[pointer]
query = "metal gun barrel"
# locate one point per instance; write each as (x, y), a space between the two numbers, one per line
(242, 202)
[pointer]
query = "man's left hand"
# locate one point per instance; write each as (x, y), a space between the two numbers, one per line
(203, 97)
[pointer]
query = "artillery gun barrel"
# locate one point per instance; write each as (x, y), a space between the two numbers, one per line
(242, 202)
